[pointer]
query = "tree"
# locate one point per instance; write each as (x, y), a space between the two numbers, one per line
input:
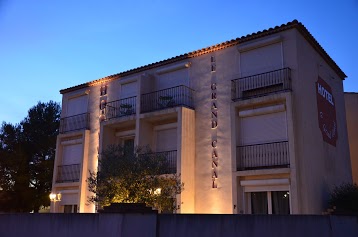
(344, 199)
(125, 176)
(27, 153)
(14, 174)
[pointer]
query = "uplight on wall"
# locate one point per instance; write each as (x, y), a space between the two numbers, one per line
(158, 191)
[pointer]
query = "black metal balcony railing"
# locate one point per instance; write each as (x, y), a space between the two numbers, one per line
(261, 84)
(262, 156)
(171, 97)
(68, 173)
(120, 108)
(76, 122)
(170, 157)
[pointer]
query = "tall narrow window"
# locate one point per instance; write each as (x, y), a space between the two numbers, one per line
(128, 145)
(280, 202)
(259, 203)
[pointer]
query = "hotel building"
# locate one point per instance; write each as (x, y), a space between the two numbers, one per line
(351, 99)
(255, 125)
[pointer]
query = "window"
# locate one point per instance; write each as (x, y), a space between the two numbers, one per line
(69, 201)
(271, 202)
(166, 139)
(128, 90)
(77, 105)
(70, 209)
(261, 59)
(72, 154)
(126, 140)
(259, 203)
(264, 128)
(128, 145)
(280, 202)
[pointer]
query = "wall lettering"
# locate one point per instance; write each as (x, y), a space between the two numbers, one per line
(102, 103)
(103, 90)
(326, 112)
(214, 142)
(213, 64)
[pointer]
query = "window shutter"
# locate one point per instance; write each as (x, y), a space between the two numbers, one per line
(72, 154)
(263, 59)
(172, 79)
(69, 199)
(166, 140)
(128, 90)
(263, 128)
(77, 105)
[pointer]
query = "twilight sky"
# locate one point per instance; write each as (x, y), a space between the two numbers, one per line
(47, 45)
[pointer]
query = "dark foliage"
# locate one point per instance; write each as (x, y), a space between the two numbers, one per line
(344, 199)
(27, 153)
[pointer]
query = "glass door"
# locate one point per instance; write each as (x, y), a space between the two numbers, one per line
(270, 202)
(259, 203)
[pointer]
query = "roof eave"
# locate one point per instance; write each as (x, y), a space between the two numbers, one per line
(290, 25)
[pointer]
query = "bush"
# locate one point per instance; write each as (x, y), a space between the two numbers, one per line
(139, 176)
(344, 199)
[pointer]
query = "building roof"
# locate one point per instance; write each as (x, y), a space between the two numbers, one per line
(290, 25)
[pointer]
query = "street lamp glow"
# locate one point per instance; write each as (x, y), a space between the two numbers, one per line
(55, 197)
(52, 196)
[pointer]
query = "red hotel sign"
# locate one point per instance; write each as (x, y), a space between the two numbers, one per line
(326, 112)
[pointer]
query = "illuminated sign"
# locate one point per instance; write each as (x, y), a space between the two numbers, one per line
(326, 112)
(214, 142)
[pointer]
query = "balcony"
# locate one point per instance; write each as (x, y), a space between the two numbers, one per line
(263, 156)
(170, 157)
(120, 108)
(167, 98)
(68, 173)
(73, 123)
(261, 84)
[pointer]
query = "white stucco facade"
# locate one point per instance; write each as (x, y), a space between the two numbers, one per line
(244, 122)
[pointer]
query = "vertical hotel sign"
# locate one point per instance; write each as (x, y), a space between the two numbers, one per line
(214, 126)
(326, 112)
(214, 142)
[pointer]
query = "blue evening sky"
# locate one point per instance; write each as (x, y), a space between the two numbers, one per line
(48, 45)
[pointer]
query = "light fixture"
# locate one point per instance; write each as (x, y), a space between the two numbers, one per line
(55, 197)
(158, 191)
